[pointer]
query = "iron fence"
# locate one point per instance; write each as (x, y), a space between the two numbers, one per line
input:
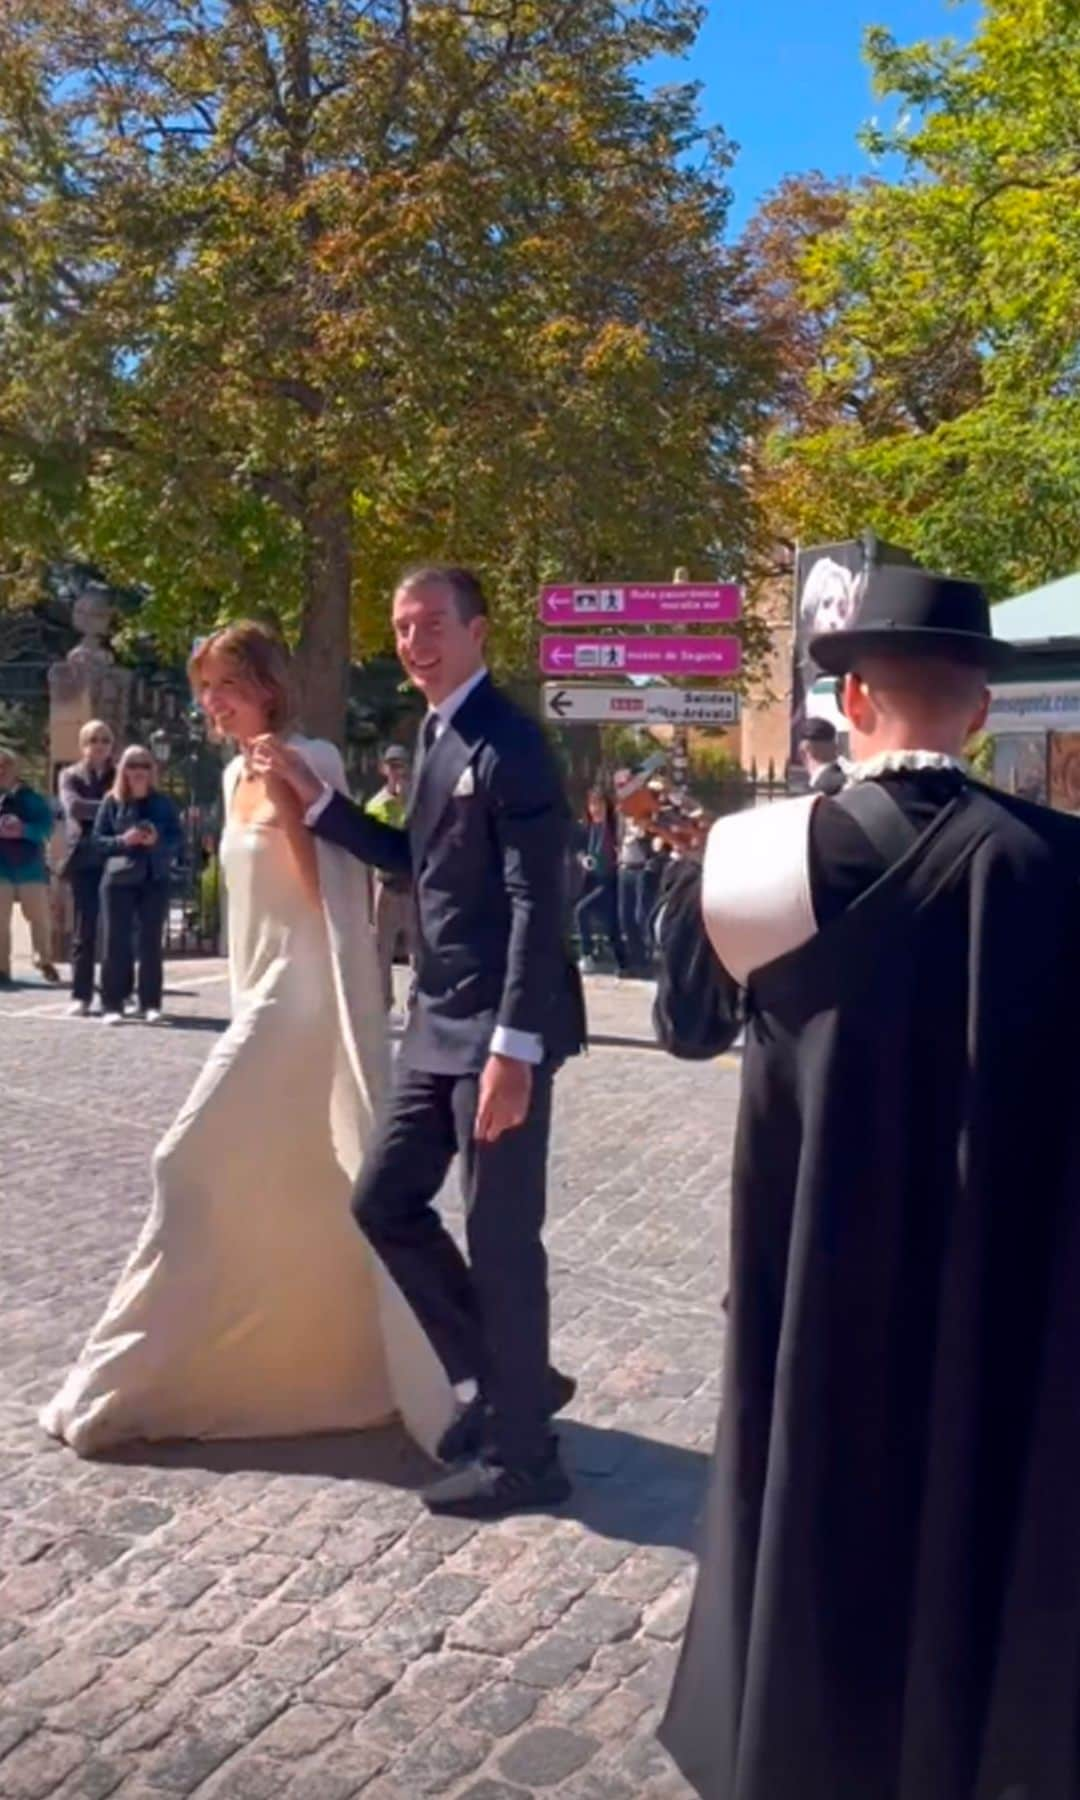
(24, 718)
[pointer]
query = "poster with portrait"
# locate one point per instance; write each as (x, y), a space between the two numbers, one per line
(828, 586)
(1020, 765)
(1064, 785)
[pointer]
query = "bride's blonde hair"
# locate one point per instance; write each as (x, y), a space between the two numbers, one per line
(257, 653)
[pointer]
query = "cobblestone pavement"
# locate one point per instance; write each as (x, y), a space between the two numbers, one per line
(264, 1620)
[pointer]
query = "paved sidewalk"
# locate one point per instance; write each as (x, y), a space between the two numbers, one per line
(281, 1621)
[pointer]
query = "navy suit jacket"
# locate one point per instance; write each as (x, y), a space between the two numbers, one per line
(485, 843)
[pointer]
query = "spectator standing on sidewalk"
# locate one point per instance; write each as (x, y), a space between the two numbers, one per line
(393, 912)
(597, 909)
(633, 858)
(138, 835)
(26, 824)
(820, 750)
(83, 787)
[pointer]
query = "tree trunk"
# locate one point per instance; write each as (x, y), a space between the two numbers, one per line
(323, 653)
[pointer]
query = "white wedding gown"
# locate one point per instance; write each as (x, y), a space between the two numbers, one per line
(252, 1306)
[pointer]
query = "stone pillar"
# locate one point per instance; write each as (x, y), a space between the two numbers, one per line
(87, 684)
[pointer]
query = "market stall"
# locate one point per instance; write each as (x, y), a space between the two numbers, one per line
(1034, 719)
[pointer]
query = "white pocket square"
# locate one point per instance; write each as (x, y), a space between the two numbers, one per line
(466, 784)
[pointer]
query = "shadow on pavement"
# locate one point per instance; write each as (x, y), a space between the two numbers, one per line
(194, 1022)
(634, 1488)
(383, 1455)
(628, 1487)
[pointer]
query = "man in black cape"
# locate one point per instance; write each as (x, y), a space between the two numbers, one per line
(888, 1604)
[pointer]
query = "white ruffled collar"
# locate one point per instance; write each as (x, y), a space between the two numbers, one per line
(905, 762)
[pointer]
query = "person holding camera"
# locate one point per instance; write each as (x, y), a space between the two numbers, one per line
(138, 836)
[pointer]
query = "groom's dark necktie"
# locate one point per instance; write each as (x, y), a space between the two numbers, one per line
(429, 735)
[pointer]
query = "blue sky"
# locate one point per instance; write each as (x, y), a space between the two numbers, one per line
(787, 81)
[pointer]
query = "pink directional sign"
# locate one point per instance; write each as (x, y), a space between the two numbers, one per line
(673, 604)
(671, 656)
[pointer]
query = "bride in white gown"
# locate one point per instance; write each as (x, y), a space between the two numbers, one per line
(252, 1306)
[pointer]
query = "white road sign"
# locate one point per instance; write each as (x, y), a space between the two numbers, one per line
(640, 706)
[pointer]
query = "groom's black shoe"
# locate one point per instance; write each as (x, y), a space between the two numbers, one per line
(486, 1489)
(470, 1428)
(465, 1434)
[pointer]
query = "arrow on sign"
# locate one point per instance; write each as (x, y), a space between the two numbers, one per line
(641, 705)
(667, 656)
(638, 603)
(562, 656)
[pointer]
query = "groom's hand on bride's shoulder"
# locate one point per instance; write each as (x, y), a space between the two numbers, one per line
(275, 760)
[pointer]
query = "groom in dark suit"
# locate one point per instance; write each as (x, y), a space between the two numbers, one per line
(496, 1008)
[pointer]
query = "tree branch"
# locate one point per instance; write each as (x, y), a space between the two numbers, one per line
(257, 40)
(271, 485)
(290, 387)
(1027, 184)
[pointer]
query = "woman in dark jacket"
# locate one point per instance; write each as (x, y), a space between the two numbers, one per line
(138, 836)
(597, 911)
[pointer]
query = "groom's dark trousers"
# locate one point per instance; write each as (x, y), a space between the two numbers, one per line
(488, 1319)
(485, 843)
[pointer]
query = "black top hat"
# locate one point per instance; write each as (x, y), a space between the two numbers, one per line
(910, 612)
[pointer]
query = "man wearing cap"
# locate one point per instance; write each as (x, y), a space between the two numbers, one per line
(394, 912)
(821, 757)
(888, 1604)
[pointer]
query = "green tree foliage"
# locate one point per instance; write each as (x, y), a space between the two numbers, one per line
(294, 290)
(941, 403)
(787, 229)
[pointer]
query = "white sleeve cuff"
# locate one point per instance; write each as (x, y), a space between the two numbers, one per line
(319, 806)
(521, 1046)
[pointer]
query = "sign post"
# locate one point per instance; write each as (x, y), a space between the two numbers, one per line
(677, 706)
(635, 656)
(680, 602)
(676, 658)
(680, 743)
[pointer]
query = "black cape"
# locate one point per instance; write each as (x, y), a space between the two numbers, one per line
(888, 1603)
